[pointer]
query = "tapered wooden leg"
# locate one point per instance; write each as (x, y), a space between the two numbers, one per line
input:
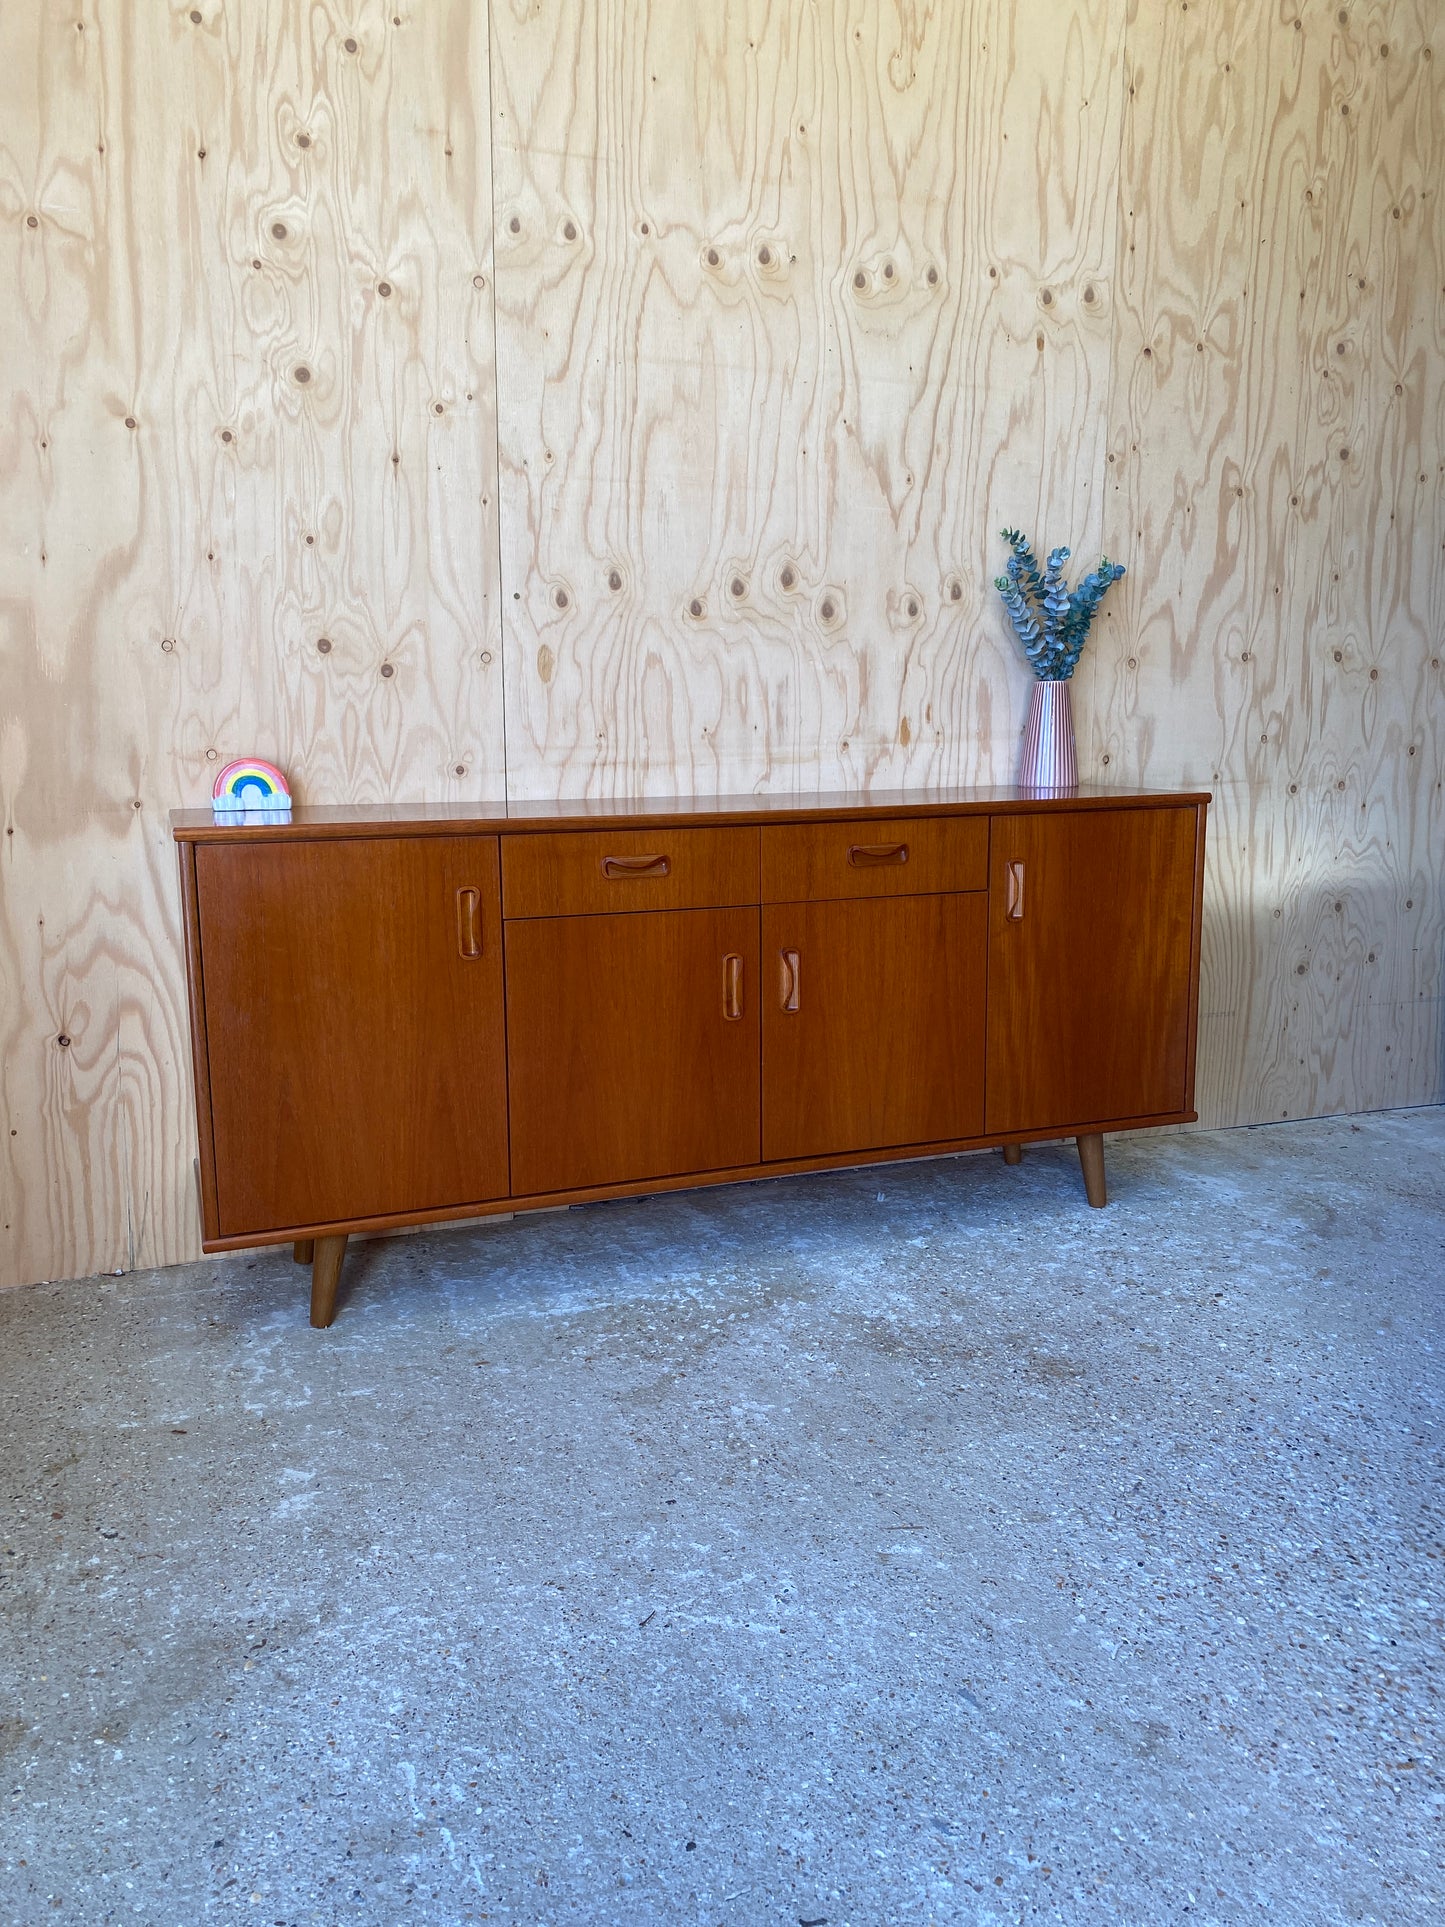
(1091, 1162)
(304, 1250)
(325, 1273)
(1013, 1154)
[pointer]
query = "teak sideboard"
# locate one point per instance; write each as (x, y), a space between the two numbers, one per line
(401, 1015)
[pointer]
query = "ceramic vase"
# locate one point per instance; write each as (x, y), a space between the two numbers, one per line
(1049, 761)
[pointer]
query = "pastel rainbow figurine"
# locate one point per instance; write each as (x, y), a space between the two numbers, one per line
(250, 791)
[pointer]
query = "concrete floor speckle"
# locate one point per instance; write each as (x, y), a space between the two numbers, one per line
(904, 1545)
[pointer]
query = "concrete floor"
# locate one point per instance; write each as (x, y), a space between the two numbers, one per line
(900, 1546)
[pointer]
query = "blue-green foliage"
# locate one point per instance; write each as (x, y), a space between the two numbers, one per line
(1052, 623)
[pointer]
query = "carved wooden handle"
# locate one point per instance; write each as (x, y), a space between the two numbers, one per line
(616, 867)
(863, 855)
(733, 987)
(788, 990)
(469, 923)
(1015, 875)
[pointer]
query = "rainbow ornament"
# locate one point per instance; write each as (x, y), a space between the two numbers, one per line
(250, 791)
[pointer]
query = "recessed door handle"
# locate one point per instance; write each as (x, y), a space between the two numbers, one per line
(864, 856)
(469, 923)
(615, 868)
(1015, 874)
(789, 986)
(733, 987)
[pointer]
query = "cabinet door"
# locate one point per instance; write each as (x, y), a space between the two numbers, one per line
(873, 1023)
(1091, 917)
(354, 1023)
(633, 1045)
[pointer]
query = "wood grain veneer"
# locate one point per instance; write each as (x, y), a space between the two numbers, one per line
(873, 1023)
(626, 1063)
(605, 871)
(1091, 929)
(474, 1056)
(355, 1056)
(902, 856)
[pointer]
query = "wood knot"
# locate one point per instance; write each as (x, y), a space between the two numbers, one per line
(323, 645)
(614, 580)
(694, 608)
(383, 288)
(303, 374)
(63, 1041)
(350, 44)
(278, 230)
(787, 578)
(388, 669)
(570, 231)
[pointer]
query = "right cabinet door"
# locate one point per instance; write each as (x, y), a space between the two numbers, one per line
(872, 1023)
(1090, 968)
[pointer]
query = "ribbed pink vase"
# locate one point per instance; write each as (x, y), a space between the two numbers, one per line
(1049, 762)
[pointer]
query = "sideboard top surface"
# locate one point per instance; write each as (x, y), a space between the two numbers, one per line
(314, 821)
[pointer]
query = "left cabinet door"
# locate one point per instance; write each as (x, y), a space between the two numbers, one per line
(354, 1027)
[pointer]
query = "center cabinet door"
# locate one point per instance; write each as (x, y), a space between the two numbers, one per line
(873, 1023)
(633, 1046)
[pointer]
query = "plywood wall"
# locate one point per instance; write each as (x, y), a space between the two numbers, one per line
(794, 306)
(1277, 474)
(247, 503)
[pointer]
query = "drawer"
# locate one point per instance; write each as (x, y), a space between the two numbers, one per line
(900, 856)
(590, 872)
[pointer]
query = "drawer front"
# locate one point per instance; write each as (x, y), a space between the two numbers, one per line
(901, 856)
(594, 872)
